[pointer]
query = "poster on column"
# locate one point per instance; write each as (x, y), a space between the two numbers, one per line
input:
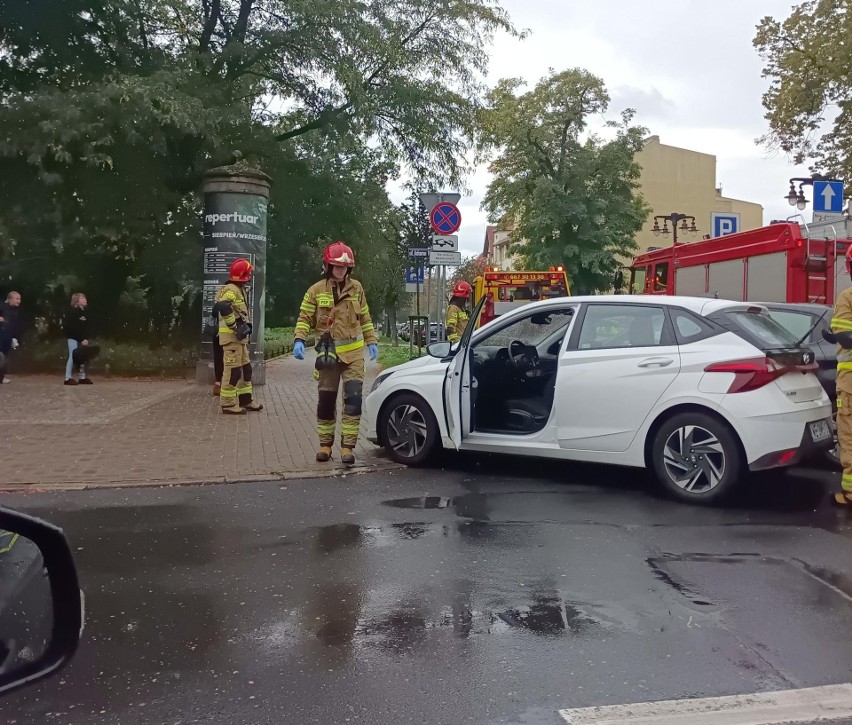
(234, 227)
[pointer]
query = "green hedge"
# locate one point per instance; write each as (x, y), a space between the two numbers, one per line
(129, 359)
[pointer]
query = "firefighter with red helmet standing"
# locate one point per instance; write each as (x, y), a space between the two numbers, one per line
(336, 309)
(235, 330)
(457, 317)
(841, 334)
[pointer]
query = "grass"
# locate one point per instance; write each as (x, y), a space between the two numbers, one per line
(390, 356)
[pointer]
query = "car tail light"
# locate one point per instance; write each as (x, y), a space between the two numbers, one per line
(755, 372)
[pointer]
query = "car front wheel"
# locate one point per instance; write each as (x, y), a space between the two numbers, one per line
(696, 458)
(408, 428)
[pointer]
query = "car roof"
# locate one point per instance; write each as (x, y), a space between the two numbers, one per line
(699, 305)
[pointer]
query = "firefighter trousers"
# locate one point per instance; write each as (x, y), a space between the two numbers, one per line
(236, 375)
(352, 375)
(844, 438)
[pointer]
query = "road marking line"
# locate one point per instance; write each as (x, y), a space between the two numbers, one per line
(807, 705)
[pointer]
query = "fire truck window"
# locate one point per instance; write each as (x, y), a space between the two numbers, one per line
(637, 281)
(661, 277)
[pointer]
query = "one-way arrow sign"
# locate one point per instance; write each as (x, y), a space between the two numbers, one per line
(828, 196)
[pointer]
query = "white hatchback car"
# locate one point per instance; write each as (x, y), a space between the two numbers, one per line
(669, 383)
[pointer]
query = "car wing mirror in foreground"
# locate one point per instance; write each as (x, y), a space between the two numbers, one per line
(439, 349)
(41, 606)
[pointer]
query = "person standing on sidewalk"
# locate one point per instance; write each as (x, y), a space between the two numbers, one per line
(235, 329)
(336, 309)
(10, 331)
(77, 329)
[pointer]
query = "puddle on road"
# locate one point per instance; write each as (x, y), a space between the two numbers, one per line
(420, 502)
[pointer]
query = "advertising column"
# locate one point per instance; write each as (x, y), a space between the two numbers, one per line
(235, 205)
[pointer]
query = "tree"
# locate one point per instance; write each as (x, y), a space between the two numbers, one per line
(808, 59)
(112, 110)
(571, 195)
(471, 268)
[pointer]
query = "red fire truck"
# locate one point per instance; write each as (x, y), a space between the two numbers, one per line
(776, 263)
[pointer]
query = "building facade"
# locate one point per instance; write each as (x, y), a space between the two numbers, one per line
(496, 247)
(683, 181)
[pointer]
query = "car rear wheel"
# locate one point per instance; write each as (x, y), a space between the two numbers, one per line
(409, 430)
(696, 457)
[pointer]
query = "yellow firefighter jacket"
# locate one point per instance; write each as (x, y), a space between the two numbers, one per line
(235, 294)
(842, 322)
(456, 323)
(343, 310)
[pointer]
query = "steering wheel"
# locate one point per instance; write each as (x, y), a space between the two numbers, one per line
(522, 357)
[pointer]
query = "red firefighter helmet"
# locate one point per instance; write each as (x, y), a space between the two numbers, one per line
(462, 289)
(849, 259)
(241, 270)
(339, 254)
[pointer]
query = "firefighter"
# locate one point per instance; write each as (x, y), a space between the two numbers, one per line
(235, 329)
(456, 316)
(336, 309)
(841, 334)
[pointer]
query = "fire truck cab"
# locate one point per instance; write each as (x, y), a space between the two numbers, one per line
(507, 290)
(775, 263)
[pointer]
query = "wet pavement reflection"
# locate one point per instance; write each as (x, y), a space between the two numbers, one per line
(461, 596)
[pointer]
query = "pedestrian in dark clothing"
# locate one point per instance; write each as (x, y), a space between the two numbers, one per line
(10, 331)
(218, 365)
(77, 329)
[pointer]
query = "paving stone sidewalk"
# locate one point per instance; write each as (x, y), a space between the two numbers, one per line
(128, 432)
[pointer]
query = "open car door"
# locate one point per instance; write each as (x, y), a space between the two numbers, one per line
(457, 385)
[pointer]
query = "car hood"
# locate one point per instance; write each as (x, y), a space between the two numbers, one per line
(420, 362)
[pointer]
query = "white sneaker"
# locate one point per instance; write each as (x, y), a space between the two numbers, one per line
(6, 381)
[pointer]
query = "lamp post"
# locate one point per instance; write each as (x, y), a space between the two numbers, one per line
(797, 199)
(675, 218)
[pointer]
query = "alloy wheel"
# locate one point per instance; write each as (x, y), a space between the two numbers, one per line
(694, 459)
(406, 430)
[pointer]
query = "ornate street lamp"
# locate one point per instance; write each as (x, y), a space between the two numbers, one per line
(675, 218)
(797, 199)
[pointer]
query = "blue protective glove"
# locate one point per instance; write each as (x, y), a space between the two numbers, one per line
(374, 351)
(299, 350)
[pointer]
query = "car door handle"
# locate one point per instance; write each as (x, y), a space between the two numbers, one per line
(655, 362)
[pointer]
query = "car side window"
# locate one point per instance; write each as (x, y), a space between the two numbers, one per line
(614, 325)
(531, 330)
(691, 328)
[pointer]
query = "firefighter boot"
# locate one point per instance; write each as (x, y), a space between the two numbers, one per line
(234, 410)
(324, 454)
(844, 499)
(347, 457)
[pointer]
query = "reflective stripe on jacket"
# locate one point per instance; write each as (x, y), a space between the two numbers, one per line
(456, 322)
(348, 318)
(227, 323)
(842, 322)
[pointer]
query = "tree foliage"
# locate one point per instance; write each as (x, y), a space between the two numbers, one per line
(470, 269)
(808, 59)
(570, 194)
(112, 110)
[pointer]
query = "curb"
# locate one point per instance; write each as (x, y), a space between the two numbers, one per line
(271, 477)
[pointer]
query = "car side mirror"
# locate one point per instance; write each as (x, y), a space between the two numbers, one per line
(41, 606)
(439, 349)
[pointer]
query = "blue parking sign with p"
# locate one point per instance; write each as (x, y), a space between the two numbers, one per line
(725, 223)
(414, 275)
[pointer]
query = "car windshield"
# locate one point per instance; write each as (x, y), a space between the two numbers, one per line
(765, 330)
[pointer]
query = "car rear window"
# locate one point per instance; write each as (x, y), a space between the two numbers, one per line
(760, 329)
(798, 323)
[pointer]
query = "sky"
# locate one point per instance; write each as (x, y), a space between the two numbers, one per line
(687, 67)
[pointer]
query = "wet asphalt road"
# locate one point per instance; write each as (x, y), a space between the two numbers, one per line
(482, 594)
